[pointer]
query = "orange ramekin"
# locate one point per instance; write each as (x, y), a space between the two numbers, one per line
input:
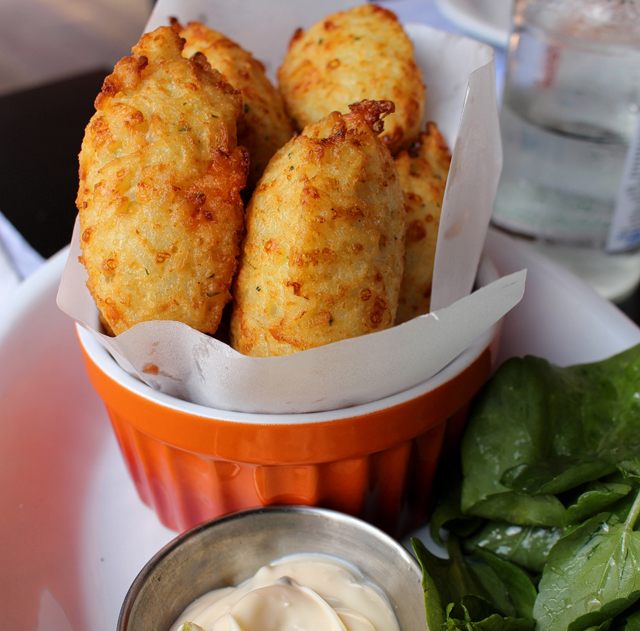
(375, 461)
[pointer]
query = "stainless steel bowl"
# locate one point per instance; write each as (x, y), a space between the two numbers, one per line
(229, 550)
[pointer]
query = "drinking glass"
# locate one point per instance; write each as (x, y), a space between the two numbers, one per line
(569, 124)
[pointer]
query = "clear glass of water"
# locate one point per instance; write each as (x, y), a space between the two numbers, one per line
(569, 123)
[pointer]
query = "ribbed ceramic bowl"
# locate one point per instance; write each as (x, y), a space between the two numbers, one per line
(376, 461)
(229, 550)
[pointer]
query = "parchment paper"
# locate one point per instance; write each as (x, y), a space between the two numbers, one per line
(263, 27)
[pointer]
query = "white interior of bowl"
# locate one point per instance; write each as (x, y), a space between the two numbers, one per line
(101, 357)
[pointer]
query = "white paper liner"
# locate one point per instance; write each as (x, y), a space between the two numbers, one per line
(263, 27)
(182, 362)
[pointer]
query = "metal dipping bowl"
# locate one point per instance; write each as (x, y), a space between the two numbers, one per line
(228, 550)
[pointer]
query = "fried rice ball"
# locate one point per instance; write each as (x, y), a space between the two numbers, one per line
(423, 174)
(323, 256)
(265, 126)
(160, 175)
(359, 54)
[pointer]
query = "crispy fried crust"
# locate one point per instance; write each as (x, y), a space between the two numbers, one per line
(423, 176)
(160, 174)
(322, 259)
(359, 54)
(265, 126)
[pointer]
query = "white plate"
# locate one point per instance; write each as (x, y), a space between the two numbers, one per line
(74, 533)
(488, 20)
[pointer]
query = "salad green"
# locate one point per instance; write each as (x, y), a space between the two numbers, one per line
(463, 595)
(540, 515)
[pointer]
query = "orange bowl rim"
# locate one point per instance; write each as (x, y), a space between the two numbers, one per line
(103, 360)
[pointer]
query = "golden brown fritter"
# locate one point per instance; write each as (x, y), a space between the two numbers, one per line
(265, 126)
(359, 54)
(322, 259)
(423, 176)
(160, 174)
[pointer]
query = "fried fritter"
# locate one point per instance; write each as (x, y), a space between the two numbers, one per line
(160, 175)
(423, 174)
(322, 259)
(265, 126)
(359, 54)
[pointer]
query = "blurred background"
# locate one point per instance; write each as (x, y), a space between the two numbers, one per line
(54, 55)
(45, 40)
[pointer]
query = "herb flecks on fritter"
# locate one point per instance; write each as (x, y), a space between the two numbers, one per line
(323, 256)
(265, 126)
(423, 174)
(359, 54)
(160, 175)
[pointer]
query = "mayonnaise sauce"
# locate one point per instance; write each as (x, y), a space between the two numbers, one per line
(302, 592)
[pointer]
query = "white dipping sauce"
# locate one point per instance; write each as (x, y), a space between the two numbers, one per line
(302, 592)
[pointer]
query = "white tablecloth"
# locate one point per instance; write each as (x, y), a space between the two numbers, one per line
(17, 258)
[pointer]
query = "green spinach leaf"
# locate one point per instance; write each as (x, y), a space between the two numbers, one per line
(526, 546)
(490, 622)
(494, 588)
(628, 620)
(461, 595)
(471, 609)
(594, 500)
(554, 475)
(449, 517)
(520, 588)
(531, 418)
(592, 574)
(447, 513)
(630, 468)
(444, 581)
(525, 510)
(632, 623)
